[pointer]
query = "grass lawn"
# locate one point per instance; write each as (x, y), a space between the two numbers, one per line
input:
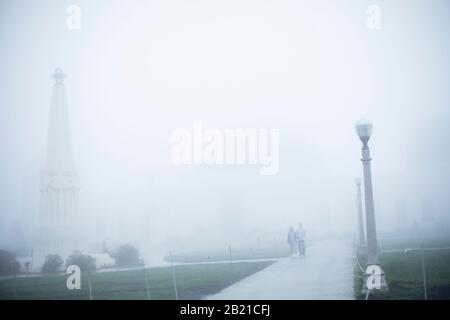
(193, 282)
(404, 270)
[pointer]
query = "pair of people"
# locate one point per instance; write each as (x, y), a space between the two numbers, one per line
(296, 240)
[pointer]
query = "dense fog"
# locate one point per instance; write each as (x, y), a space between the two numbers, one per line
(139, 71)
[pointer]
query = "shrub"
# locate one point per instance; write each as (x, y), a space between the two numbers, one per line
(84, 261)
(8, 263)
(53, 263)
(127, 255)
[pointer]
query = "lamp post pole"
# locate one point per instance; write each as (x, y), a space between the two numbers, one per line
(372, 245)
(361, 232)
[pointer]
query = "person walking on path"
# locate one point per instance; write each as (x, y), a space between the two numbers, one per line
(300, 235)
(292, 240)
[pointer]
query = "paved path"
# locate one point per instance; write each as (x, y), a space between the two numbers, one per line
(325, 273)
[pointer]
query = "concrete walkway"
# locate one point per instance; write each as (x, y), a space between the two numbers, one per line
(325, 273)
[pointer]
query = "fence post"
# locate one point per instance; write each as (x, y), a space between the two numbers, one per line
(14, 279)
(173, 276)
(424, 276)
(149, 296)
(89, 284)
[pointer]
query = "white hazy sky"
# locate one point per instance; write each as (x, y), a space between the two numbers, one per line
(137, 70)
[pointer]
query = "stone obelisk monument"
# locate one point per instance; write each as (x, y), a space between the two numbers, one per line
(58, 230)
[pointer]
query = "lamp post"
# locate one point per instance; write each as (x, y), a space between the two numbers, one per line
(364, 130)
(361, 232)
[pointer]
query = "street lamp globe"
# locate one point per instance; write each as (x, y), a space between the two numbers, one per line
(364, 130)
